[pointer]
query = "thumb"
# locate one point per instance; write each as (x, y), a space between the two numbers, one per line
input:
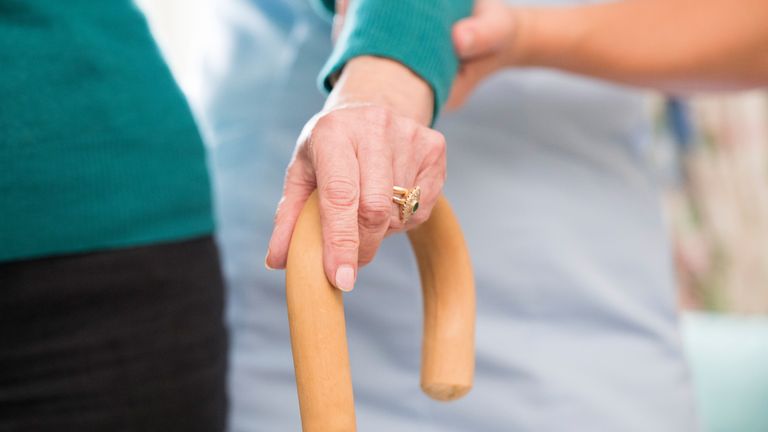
(468, 77)
(485, 32)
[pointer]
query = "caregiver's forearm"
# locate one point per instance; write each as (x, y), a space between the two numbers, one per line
(672, 45)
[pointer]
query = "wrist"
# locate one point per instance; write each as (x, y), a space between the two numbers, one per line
(384, 82)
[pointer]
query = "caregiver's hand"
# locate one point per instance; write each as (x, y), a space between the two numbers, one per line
(485, 43)
(691, 45)
(370, 136)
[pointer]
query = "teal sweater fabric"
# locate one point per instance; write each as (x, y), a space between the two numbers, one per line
(98, 148)
(417, 33)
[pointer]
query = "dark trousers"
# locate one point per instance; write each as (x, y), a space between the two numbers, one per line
(124, 340)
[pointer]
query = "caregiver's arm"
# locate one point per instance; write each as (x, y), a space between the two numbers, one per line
(393, 64)
(672, 45)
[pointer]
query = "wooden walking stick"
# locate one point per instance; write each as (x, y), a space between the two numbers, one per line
(318, 334)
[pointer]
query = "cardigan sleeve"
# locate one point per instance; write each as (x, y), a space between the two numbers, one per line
(416, 33)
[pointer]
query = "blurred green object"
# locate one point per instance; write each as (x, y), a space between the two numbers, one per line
(729, 362)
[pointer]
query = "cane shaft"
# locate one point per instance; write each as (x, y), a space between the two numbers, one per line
(318, 334)
(447, 283)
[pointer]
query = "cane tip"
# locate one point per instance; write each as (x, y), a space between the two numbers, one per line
(445, 392)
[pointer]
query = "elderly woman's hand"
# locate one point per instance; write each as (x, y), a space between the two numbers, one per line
(369, 138)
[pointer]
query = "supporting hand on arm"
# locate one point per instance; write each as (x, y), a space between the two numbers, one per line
(670, 45)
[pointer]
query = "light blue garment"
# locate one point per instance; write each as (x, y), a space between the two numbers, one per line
(577, 324)
(728, 355)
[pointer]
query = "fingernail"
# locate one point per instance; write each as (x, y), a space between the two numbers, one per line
(345, 278)
(266, 261)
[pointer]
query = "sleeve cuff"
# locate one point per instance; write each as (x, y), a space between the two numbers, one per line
(416, 33)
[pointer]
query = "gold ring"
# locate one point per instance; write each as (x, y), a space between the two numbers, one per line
(408, 200)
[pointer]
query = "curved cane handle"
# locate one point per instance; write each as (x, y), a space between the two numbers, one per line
(318, 333)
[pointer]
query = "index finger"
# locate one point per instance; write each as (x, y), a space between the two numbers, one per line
(338, 186)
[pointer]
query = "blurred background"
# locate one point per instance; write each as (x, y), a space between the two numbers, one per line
(712, 154)
(712, 157)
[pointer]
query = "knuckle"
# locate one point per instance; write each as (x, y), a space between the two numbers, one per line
(296, 178)
(331, 120)
(375, 210)
(413, 131)
(395, 224)
(344, 241)
(435, 140)
(342, 234)
(378, 116)
(374, 218)
(439, 141)
(333, 123)
(340, 192)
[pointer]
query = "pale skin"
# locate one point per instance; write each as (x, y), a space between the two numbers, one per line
(371, 135)
(676, 46)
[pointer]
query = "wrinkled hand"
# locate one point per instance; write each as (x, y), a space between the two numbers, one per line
(485, 43)
(353, 154)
